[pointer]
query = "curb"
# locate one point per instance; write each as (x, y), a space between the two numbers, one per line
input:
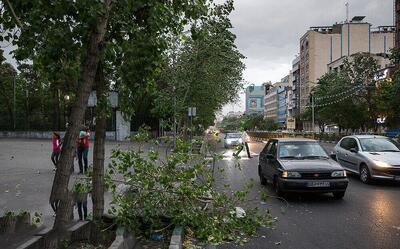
(177, 238)
(123, 241)
(77, 232)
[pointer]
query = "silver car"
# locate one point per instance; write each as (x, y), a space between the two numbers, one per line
(232, 139)
(369, 156)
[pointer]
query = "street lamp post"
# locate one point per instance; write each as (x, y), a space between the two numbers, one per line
(14, 100)
(313, 112)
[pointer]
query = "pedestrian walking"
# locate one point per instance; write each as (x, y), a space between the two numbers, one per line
(83, 150)
(244, 145)
(56, 143)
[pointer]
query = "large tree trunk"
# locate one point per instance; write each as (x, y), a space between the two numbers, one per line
(60, 190)
(98, 155)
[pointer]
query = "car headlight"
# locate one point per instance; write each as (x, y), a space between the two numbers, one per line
(381, 164)
(290, 174)
(339, 173)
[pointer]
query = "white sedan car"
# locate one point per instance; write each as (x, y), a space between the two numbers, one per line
(232, 139)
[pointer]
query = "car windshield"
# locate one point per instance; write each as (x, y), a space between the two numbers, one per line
(234, 135)
(379, 145)
(301, 150)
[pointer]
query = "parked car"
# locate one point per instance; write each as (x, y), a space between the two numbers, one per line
(369, 156)
(232, 139)
(300, 165)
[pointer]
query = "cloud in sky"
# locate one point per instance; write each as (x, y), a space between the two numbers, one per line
(268, 31)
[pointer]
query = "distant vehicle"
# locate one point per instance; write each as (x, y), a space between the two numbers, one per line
(232, 139)
(369, 156)
(300, 165)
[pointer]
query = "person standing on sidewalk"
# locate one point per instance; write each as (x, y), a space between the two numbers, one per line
(83, 150)
(55, 155)
(244, 145)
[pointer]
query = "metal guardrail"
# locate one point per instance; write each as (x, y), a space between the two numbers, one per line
(260, 136)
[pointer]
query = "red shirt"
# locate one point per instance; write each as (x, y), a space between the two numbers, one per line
(83, 142)
(56, 144)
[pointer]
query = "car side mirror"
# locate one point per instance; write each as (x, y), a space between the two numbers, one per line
(270, 156)
(333, 156)
(354, 150)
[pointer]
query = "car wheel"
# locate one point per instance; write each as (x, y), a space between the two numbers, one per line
(338, 195)
(277, 188)
(365, 176)
(263, 181)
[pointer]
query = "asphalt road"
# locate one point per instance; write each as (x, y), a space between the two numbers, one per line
(368, 217)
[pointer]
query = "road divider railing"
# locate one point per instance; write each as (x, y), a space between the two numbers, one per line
(263, 136)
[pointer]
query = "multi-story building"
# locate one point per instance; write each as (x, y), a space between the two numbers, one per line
(282, 94)
(397, 20)
(293, 100)
(255, 100)
(270, 107)
(276, 102)
(382, 60)
(320, 46)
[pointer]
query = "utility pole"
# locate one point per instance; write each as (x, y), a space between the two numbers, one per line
(174, 117)
(313, 111)
(14, 100)
(347, 12)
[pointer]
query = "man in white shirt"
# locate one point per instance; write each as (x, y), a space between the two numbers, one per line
(245, 140)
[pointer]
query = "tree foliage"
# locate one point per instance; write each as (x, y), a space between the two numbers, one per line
(389, 92)
(203, 70)
(178, 190)
(348, 98)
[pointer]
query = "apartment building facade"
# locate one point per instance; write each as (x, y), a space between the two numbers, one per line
(276, 102)
(322, 45)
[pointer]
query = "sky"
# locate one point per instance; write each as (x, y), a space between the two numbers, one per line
(268, 31)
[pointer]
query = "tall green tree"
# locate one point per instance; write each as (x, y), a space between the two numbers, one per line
(388, 94)
(73, 36)
(8, 75)
(348, 98)
(203, 70)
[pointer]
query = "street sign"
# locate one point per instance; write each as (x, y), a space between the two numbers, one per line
(291, 124)
(192, 111)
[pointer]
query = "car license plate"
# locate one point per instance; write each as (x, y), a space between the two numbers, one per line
(397, 178)
(318, 184)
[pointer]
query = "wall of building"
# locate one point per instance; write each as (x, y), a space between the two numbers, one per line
(255, 100)
(381, 42)
(271, 104)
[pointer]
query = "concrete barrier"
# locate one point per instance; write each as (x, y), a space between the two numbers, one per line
(110, 135)
(177, 238)
(123, 240)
